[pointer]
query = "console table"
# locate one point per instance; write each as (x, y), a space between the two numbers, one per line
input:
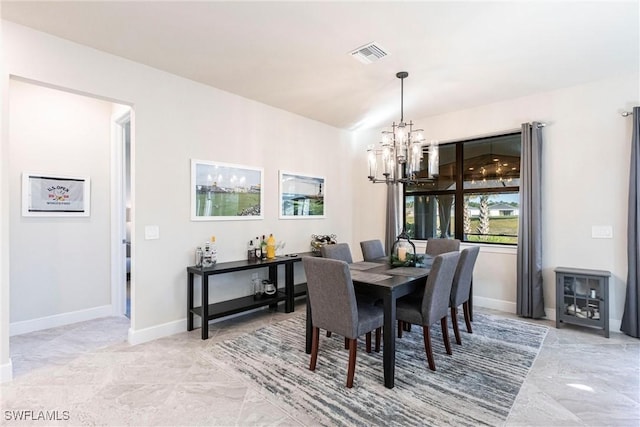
(208, 311)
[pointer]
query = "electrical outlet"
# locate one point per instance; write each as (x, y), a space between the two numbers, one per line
(601, 232)
(151, 232)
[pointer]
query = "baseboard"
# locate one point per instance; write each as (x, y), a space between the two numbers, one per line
(154, 332)
(550, 312)
(177, 326)
(494, 304)
(26, 326)
(6, 372)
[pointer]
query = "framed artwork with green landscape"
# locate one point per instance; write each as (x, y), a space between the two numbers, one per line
(223, 191)
(301, 196)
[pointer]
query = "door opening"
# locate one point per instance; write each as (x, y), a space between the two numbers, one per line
(123, 213)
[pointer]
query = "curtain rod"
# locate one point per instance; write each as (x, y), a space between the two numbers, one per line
(488, 135)
(626, 113)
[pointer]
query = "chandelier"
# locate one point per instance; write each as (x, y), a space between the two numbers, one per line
(399, 157)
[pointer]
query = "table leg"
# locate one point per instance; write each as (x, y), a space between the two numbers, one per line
(189, 301)
(205, 307)
(288, 287)
(273, 277)
(389, 339)
(309, 329)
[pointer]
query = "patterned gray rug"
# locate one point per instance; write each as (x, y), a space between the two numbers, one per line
(477, 385)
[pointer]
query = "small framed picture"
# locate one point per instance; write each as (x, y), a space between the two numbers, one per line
(55, 195)
(301, 196)
(223, 191)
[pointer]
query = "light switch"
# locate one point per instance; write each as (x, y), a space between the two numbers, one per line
(151, 232)
(602, 232)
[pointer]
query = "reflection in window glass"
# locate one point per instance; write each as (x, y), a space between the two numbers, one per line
(430, 216)
(445, 178)
(491, 218)
(493, 162)
(483, 207)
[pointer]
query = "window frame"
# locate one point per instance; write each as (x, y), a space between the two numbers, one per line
(460, 192)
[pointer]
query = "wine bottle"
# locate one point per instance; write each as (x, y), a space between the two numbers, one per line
(263, 248)
(258, 249)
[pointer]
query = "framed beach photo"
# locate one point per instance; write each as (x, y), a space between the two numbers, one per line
(223, 191)
(301, 196)
(55, 195)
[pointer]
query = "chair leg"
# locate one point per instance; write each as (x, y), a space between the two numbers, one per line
(346, 343)
(454, 321)
(315, 338)
(368, 342)
(328, 334)
(400, 328)
(378, 339)
(467, 317)
(445, 334)
(407, 326)
(353, 346)
(427, 347)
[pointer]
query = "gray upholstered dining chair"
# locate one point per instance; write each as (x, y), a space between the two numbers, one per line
(461, 287)
(334, 307)
(441, 246)
(434, 304)
(372, 250)
(340, 251)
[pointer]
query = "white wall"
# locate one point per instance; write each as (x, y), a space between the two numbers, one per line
(585, 182)
(62, 264)
(6, 372)
(586, 164)
(175, 120)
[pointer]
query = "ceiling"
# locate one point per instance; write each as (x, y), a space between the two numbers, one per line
(296, 55)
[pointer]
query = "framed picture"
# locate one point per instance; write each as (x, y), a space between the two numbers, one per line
(55, 195)
(222, 191)
(301, 196)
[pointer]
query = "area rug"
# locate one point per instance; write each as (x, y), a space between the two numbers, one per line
(477, 385)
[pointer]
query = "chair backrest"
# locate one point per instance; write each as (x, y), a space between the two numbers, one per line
(441, 246)
(372, 250)
(464, 273)
(339, 251)
(435, 303)
(331, 295)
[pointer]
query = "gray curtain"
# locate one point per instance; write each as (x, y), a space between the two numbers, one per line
(530, 299)
(391, 229)
(631, 316)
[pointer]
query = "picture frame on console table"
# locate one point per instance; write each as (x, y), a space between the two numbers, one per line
(53, 195)
(301, 196)
(225, 191)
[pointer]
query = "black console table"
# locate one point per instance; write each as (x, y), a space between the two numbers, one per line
(208, 311)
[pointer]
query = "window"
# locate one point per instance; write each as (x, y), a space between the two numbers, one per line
(475, 195)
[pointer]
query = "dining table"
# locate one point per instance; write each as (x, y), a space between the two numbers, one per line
(379, 280)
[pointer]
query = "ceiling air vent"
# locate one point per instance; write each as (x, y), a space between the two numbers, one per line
(369, 53)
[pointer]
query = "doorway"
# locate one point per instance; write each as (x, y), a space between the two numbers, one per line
(123, 213)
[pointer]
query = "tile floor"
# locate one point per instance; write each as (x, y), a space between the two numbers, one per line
(91, 376)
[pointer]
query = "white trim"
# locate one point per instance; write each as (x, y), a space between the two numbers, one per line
(118, 206)
(177, 326)
(6, 372)
(26, 326)
(155, 332)
(495, 304)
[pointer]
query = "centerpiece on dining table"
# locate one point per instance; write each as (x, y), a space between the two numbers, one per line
(403, 252)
